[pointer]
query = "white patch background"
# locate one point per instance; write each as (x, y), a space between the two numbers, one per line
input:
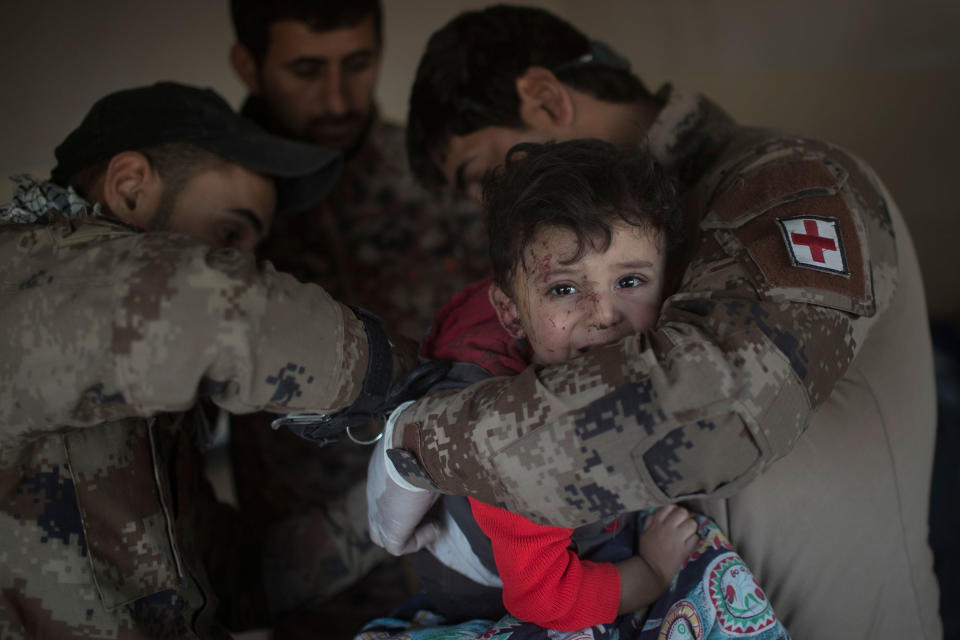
(827, 259)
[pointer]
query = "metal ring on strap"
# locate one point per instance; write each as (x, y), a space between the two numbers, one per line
(358, 441)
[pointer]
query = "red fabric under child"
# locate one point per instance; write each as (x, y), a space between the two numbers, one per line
(466, 329)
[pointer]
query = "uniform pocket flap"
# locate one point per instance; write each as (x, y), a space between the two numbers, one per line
(124, 525)
(751, 192)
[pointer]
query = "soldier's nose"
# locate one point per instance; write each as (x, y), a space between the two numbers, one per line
(334, 100)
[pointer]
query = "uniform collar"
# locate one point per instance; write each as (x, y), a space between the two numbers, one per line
(688, 133)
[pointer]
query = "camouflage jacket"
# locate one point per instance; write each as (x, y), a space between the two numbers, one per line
(110, 337)
(381, 241)
(798, 327)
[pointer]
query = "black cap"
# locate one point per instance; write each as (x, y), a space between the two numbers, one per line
(165, 112)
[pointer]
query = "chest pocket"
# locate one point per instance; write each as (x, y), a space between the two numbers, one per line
(797, 226)
(123, 507)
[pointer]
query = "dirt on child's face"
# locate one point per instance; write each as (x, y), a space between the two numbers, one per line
(567, 309)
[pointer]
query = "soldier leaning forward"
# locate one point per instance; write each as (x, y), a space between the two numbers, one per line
(113, 339)
(787, 389)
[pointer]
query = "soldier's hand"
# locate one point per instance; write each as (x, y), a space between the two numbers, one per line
(395, 511)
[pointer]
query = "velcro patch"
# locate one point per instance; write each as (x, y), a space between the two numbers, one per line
(771, 186)
(815, 243)
(841, 281)
(795, 224)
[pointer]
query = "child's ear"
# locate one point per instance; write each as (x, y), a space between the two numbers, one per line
(507, 312)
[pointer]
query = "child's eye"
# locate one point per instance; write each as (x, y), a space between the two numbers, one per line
(561, 290)
(628, 282)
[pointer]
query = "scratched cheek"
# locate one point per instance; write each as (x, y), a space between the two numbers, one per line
(558, 322)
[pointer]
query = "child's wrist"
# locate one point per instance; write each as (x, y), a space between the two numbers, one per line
(663, 581)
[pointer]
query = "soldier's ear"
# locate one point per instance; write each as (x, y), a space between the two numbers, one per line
(243, 62)
(506, 310)
(132, 188)
(545, 102)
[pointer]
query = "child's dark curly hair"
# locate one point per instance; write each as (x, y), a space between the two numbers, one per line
(586, 186)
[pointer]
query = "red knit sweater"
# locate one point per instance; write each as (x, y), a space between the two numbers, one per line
(543, 581)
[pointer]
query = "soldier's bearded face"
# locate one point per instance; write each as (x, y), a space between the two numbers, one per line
(566, 309)
(319, 85)
(227, 206)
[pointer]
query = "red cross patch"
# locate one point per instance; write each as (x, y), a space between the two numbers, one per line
(814, 242)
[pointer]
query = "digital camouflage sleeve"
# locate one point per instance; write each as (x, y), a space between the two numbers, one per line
(792, 260)
(128, 304)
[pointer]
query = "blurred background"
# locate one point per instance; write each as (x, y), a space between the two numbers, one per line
(879, 77)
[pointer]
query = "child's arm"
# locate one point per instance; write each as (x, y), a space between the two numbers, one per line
(547, 584)
(668, 537)
(543, 581)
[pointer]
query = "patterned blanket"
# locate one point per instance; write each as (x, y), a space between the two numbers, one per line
(713, 596)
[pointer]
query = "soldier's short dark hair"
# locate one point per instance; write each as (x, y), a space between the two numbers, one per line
(586, 186)
(466, 79)
(252, 18)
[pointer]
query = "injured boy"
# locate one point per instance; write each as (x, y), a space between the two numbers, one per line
(579, 233)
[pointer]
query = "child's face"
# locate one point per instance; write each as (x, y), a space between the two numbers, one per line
(566, 309)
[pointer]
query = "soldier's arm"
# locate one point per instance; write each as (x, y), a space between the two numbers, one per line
(742, 355)
(136, 324)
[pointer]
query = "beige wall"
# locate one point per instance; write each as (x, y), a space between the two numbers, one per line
(880, 78)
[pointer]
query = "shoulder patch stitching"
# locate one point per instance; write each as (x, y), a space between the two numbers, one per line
(814, 242)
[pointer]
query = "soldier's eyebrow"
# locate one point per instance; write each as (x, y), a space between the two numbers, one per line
(250, 216)
(359, 56)
(303, 60)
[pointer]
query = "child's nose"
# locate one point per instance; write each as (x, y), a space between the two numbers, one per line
(606, 312)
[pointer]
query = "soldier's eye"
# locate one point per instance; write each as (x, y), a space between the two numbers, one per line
(561, 290)
(358, 62)
(306, 69)
(230, 237)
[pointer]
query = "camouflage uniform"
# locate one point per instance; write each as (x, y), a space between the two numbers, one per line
(787, 395)
(382, 242)
(109, 337)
